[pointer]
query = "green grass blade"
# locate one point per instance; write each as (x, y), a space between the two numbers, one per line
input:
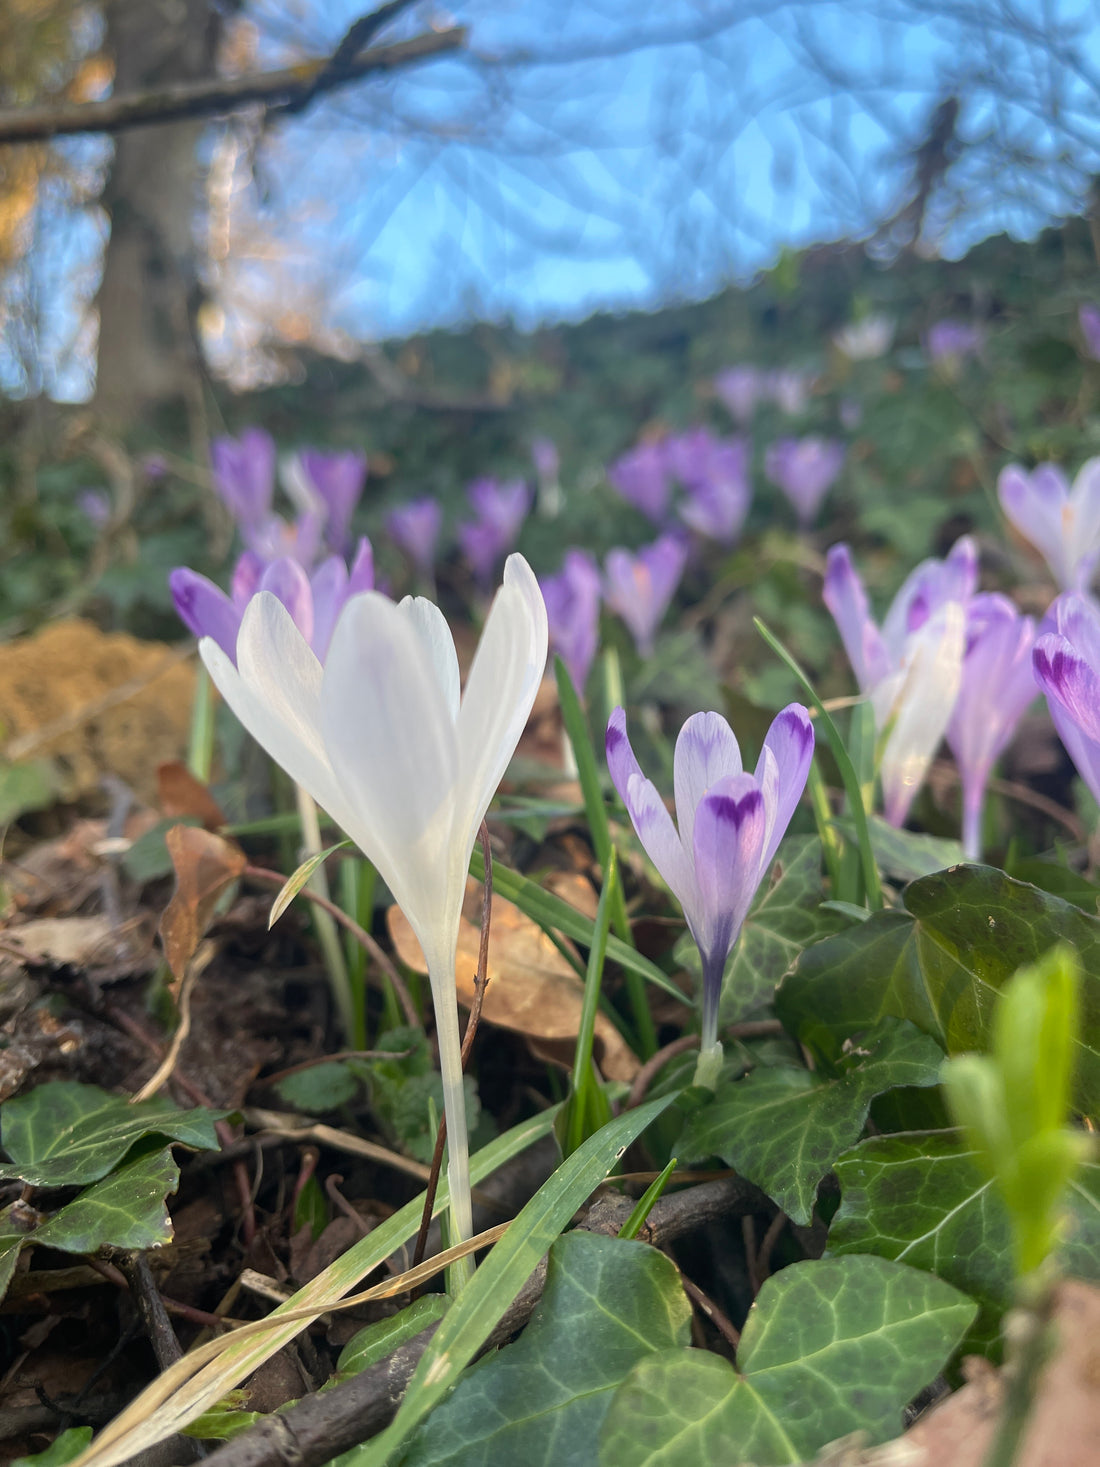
(551, 913)
(583, 1101)
(471, 1318)
(848, 775)
(633, 1225)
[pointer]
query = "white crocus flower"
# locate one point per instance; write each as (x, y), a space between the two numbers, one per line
(381, 739)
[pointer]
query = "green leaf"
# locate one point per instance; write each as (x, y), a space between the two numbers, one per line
(381, 1339)
(499, 1279)
(554, 915)
(125, 1210)
(907, 855)
(607, 1305)
(11, 1243)
(921, 1199)
(941, 964)
(64, 1448)
(785, 917)
(297, 879)
(320, 1088)
(65, 1134)
(26, 787)
(830, 1347)
(784, 1128)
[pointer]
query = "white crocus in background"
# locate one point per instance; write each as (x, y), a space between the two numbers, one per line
(911, 669)
(381, 739)
(1062, 523)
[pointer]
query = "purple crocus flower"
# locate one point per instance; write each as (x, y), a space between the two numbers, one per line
(501, 510)
(805, 470)
(949, 342)
(1062, 524)
(911, 669)
(1067, 668)
(243, 472)
(1088, 318)
(573, 610)
(314, 602)
(337, 480)
(415, 530)
(640, 587)
(715, 475)
(544, 456)
(740, 389)
(95, 506)
(641, 477)
(730, 825)
(997, 685)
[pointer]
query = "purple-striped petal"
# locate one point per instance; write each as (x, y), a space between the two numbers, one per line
(204, 609)
(706, 752)
(1066, 677)
(649, 815)
(790, 742)
(730, 831)
(847, 601)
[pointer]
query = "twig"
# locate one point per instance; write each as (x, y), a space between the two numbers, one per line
(332, 1421)
(481, 979)
(361, 935)
(207, 98)
(163, 1072)
(764, 1255)
(648, 1073)
(339, 1201)
(333, 1059)
(150, 1307)
(285, 1127)
(710, 1310)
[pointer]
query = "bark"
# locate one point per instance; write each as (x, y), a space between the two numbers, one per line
(148, 352)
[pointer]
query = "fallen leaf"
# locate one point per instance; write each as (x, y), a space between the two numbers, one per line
(63, 942)
(180, 793)
(531, 989)
(205, 865)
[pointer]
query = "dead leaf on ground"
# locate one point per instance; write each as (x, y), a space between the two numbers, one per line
(532, 989)
(205, 865)
(61, 942)
(180, 793)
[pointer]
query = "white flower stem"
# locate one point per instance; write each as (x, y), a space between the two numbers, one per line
(327, 934)
(441, 974)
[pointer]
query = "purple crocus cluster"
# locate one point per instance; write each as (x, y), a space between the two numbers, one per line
(742, 389)
(499, 512)
(945, 661)
(949, 342)
(713, 473)
(805, 469)
(281, 556)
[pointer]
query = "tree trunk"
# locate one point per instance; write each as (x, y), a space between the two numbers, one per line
(148, 351)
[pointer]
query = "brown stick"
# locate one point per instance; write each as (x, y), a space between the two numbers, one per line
(481, 980)
(207, 98)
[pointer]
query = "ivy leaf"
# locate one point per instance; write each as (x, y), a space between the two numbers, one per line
(830, 1347)
(64, 1448)
(784, 1128)
(920, 1198)
(608, 1303)
(941, 964)
(125, 1210)
(908, 855)
(65, 1134)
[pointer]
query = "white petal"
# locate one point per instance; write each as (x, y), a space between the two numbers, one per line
(500, 690)
(391, 743)
(933, 672)
(431, 627)
(276, 695)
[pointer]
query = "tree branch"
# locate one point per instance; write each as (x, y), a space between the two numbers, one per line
(208, 98)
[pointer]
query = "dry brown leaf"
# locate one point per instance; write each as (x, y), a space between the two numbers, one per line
(532, 989)
(205, 865)
(180, 793)
(60, 941)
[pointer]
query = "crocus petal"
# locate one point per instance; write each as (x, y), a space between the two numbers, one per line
(1036, 504)
(730, 831)
(649, 816)
(328, 591)
(204, 609)
(500, 691)
(932, 672)
(276, 695)
(247, 574)
(287, 580)
(1068, 679)
(430, 625)
(361, 575)
(790, 742)
(1085, 503)
(390, 739)
(1084, 752)
(847, 601)
(706, 752)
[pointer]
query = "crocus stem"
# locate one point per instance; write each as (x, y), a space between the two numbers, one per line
(972, 819)
(200, 753)
(441, 974)
(709, 1063)
(327, 934)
